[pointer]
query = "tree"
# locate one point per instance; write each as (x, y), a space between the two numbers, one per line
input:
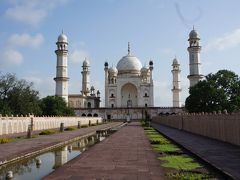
(17, 96)
(218, 91)
(55, 105)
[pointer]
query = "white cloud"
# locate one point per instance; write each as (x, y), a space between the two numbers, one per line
(10, 57)
(167, 51)
(78, 56)
(25, 40)
(45, 85)
(31, 11)
(229, 40)
(162, 93)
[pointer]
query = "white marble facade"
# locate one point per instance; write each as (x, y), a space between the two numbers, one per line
(129, 84)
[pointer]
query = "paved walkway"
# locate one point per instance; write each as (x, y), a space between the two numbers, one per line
(9, 151)
(126, 154)
(224, 156)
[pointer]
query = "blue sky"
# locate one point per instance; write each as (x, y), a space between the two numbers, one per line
(100, 31)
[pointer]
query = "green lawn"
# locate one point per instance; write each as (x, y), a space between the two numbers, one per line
(165, 147)
(183, 175)
(179, 162)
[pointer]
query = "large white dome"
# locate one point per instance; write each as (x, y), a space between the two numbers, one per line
(129, 64)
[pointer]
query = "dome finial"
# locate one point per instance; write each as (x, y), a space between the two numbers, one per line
(129, 49)
(62, 31)
(193, 27)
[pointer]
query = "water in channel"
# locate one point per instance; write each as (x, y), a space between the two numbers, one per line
(41, 165)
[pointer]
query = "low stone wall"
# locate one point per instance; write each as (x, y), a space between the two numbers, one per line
(224, 127)
(10, 125)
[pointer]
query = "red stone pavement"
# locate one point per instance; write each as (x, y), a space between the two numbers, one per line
(126, 154)
(15, 149)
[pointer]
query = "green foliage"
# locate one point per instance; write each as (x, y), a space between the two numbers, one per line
(84, 126)
(165, 147)
(5, 140)
(69, 129)
(158, 140)
(17, 96)
(218, 92)
(47, 132)
(54, 105)
(179, 162)
(186, 175)
(148, 128)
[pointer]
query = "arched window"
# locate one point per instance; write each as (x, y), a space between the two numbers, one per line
(146, 105)
(89, 105)
(83, 115)
(112, 105)
(89, 115)
(95, 115)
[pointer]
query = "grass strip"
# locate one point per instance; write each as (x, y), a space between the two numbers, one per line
(4, 140)
(186, 175)
(179, 162)
(165, 147)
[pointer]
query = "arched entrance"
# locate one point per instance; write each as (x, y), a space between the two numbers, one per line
(129, 95)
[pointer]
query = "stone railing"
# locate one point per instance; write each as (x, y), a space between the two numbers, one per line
(220, 126)
(10, 125)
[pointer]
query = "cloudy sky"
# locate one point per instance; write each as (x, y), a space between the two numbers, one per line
(100, 30)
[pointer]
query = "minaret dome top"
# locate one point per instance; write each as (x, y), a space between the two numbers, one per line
(62, 38)
(194, 34)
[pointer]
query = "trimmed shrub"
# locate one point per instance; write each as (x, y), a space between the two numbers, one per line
(4, 140)
(47, 132)
(84, 126)
(69, 129)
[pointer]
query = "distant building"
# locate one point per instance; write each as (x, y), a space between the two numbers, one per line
(194, 50)
(129, 84)
(176, 83)
(88, 98)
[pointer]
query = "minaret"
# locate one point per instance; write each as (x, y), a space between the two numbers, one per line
(106, 83)
(194, 58)
(176, 83)
(86, 78)
(62, 71)
(151, 83)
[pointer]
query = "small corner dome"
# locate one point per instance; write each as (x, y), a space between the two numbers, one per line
(62, 38)
(113, 70)
(175, 61)
(129, 63)
(144, 69)
(194, 34)
(86, 62)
